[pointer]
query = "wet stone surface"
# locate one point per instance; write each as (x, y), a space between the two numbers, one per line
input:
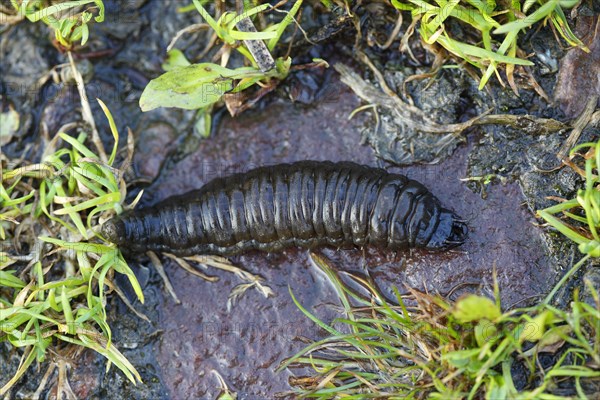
(579, 76)
(183, 348)
(442, 100)
(245, 345)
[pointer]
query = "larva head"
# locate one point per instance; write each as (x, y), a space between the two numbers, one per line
(426, 224)
(450, 232)
(114, 231)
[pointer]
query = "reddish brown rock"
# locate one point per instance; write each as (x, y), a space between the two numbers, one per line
(579, 75)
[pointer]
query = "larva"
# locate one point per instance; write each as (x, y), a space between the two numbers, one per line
(307, 203)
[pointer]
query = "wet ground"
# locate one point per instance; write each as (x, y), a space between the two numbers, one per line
(246, 344)
(186, 345)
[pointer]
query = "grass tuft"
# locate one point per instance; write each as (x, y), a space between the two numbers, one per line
(69, 19)
(425, 346)
(200, 86)
(498, 24)
(55, 270)
(581, 222)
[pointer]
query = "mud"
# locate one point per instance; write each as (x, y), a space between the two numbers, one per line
(181, 351)
(246, 345)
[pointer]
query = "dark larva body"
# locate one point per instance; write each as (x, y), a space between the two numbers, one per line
(308, 204)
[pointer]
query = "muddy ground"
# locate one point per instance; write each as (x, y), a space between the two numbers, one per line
(186, 345)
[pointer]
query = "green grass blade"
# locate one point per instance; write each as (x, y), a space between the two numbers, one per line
(541, 13)
(281, 27)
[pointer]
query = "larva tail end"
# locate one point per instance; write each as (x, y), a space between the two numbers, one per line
(113, 231)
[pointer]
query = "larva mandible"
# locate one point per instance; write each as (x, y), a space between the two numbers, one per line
(307, 203)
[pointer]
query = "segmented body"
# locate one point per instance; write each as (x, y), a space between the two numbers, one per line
(308, 204)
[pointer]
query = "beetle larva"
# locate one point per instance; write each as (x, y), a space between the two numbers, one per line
(307, 203)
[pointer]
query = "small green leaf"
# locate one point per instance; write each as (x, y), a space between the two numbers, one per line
(113, 197)
(7, 279)
(203, 123)
(227, 396)
(57, 8)
(592, 248)
(550, 338)
(240, 35)
(79, 246)
(497, 388)
(194, 87)
(461, 358)
(529, 20)
(473, 308)
(113, 130)
(534, 329)
(190, 88)
(85, 34)
(288, 19)
(175, 59)
(485, 331)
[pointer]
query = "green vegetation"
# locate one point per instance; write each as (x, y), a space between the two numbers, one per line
(69, 22)
(585, 208)
(200, 86)
(582, 213)
(491, 19)
(54, 294)
(427, 346)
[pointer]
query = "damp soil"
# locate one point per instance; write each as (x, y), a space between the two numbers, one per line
(246, 345)
(186, 345)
